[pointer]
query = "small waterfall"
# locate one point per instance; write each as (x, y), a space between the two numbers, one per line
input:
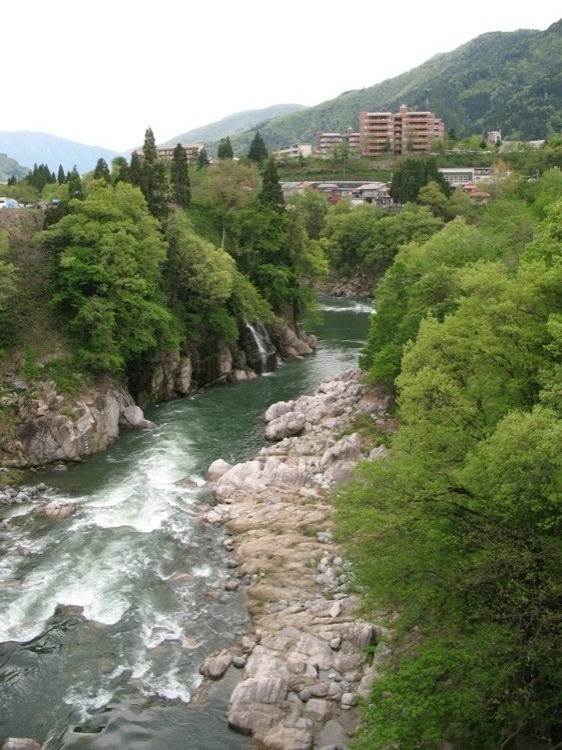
(263, 357)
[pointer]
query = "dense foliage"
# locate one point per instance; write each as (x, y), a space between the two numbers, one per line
(457, 533)
(150, 255)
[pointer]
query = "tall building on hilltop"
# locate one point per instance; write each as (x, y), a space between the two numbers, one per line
(405, 132)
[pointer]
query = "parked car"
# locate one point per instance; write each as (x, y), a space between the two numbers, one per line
(9, 203)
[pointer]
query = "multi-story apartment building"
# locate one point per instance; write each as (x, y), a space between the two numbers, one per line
(192, 151)
(325, 142)
(404, 132)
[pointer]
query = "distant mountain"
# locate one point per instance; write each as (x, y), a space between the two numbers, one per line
(29, 148)
(501, 80)
(235, 123)
(10, 168)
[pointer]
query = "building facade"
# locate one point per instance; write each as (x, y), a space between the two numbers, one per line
(293, 151)
(325, 142)
(404, 132)
(192, 151)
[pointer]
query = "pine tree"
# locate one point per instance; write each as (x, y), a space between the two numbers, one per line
(120, 170)
(224, 150)
(136, 176)
(61, 177)
(271, 193)
(180, 177)
(101, 172)
(202, 159)
(75, 187)
(258, 151)
(154, 178)
(149, 151)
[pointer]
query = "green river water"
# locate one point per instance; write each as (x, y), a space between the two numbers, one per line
(106, 616)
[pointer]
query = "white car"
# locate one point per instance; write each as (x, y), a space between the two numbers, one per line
(9, 203)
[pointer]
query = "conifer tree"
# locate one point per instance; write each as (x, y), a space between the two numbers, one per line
(61, 177)
(224, 150)
(202, 159)
(154, 178)
(75, 187)
(136, 176)
(271, 193)
(180, 177)
(101, 172)
(258, 151)
(120, 170)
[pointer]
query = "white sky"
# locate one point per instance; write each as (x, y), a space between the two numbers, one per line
(101, 72)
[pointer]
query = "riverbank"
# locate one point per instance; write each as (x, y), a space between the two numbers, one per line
(308, 656)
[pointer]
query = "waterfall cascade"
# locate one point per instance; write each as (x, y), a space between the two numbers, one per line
(263, 357)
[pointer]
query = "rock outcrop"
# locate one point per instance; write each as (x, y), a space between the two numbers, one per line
(54, 428)
(308, 656)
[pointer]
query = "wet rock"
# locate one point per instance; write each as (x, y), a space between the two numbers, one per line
(20, 743)
(133, 417)
(59, 510)
(215, 666)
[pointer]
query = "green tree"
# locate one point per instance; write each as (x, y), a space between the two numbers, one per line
(74, 182)
(199, 277)
(61, 177)
(101, 172)
(313, 206)
(258, 151)
(413, 174)
(136, 174)
(202, 159)
(154, 181)
(180, 177)
(120, 170)
(109, 253)
(224, 149)
(271, 193)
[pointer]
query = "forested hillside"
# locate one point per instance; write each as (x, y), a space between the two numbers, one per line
(150, 256)
(502, 80)
(456, 535)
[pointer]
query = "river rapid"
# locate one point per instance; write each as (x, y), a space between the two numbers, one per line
(106, 616)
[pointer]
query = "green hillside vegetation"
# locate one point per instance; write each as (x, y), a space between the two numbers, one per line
(456, 536)
(150, 255)
(506, 80)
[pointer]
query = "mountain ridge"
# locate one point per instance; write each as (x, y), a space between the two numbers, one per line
(499, 80)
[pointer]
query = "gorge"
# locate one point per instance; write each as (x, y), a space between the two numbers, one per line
(109, 613)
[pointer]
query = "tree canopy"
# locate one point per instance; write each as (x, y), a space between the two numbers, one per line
(458, 530)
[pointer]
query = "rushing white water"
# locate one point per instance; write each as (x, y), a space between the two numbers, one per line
(105, 616)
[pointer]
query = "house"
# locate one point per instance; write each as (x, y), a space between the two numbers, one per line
(458, 176)
(293, 151)
(331, 191)
(374, 192)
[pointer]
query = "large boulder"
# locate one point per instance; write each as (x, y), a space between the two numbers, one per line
(66, 431)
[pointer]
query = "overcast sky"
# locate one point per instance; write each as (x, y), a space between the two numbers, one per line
(101, 72)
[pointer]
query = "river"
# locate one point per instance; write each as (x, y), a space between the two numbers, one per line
(106, 616)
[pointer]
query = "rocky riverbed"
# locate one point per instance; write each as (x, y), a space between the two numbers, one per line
(308, 657)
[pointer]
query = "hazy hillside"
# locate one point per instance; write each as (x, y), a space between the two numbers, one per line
(507, 80)
(10, 167)
(235, 123)
(29, 148)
